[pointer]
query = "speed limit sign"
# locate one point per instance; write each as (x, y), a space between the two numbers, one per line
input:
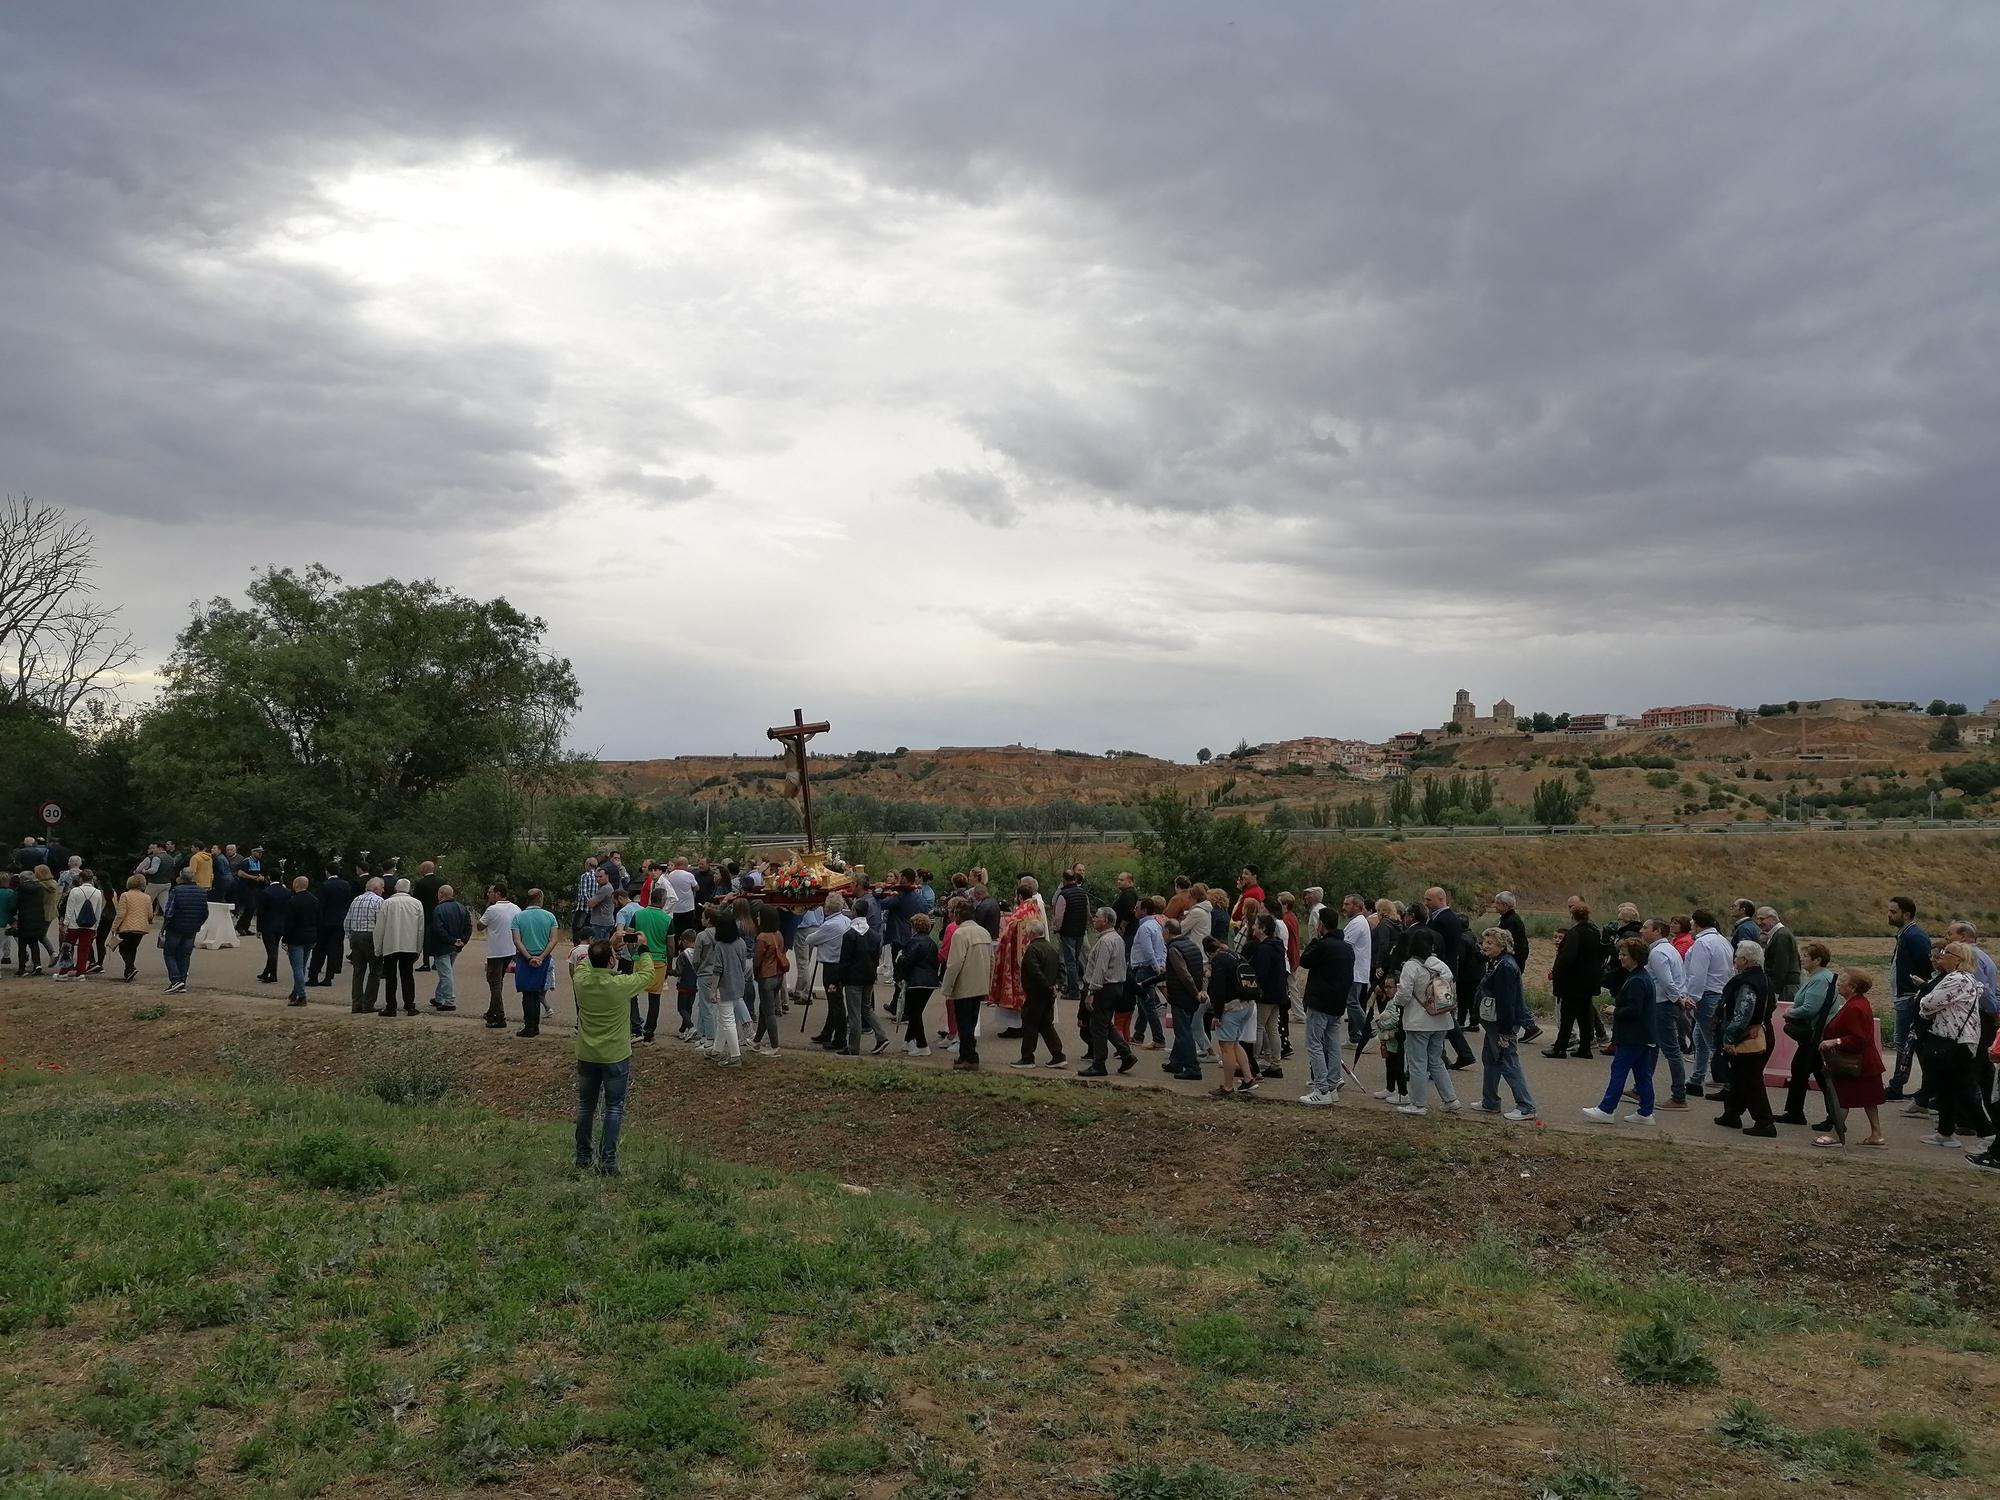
(51, 813)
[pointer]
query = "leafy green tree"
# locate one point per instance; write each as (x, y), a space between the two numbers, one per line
(1402, 807)
(1555, 801)
(1936, 709)
(1203, 756)
(318, 718)
(1947, 736)
(1179, 836)
(1357, 814)
(1432, 802)
(1482, 793)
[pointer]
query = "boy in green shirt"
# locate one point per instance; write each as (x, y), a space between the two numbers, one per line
(653, 923)
(604, 1041)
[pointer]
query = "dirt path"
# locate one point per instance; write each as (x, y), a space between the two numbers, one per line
(1129, 1158)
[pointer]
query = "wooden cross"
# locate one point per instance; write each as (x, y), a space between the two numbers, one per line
(796, 734)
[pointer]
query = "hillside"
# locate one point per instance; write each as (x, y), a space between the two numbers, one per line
(1721, 775)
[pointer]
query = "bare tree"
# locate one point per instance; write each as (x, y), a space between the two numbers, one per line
(60, 652)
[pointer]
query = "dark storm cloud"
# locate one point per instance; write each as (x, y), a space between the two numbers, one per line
(1483, 302)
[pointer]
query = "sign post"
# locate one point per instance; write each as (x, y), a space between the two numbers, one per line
(50, 813)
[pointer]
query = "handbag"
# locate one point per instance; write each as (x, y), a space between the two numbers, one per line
(1843, 1064)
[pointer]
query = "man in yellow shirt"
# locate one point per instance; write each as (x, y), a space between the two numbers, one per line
(203, 864)
(604, 1040)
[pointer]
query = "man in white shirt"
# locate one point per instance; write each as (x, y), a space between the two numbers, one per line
(1709, 965)
(1669, 976)
(497, 922)
(682, 882)
(1359, 936)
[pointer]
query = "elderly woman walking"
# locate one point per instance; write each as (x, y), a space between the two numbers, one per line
(1947, 1044)
(1503, 1023)
(1851, 1043)
(1746, 1017)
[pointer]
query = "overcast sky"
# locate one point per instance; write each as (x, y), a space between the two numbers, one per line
(1090, 375)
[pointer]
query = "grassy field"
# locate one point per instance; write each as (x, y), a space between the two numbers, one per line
(1826, 884)
(217, 1288)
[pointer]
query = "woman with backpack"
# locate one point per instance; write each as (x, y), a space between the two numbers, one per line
(1427, 997)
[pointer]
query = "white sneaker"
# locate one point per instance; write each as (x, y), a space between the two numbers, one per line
(1486, 1109)
(1312, 1096)
(1601, 1116)
(1635, 1118)
(920, 1052)
(1387, 1094)
(1410, 1109)
(1453, 1105)
(1517, 1116)
(1947, 1141)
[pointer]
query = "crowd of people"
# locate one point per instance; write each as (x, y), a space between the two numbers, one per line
(1229, 979)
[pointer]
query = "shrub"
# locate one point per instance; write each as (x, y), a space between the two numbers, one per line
(149, 1013)
(1662, 1353)
(335, 1159)
(419, 1073)
(1587, 1479)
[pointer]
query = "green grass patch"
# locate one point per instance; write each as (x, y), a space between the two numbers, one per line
(1487, 1353)
(334, 1159)
(1223, 1343)
(1148, 1480)
(852, 1453)
(1837, 1451)
(1589, 1479)
(1929, 1445)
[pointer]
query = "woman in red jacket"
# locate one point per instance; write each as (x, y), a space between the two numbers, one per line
(1853, 1033)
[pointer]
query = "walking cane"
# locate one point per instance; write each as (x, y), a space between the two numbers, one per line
(806, 1005)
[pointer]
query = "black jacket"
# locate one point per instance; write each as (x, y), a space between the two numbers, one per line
(1268, 961)
(1041, 970)
(274, 906)
(1329, 966)
(1184, 979)
(449, 928)
(301, 917)
(1223, 970)
(1518, 931)
(335, 896)
(1632, 1012)
(1578, 971)
(425, 889)
(917, 965)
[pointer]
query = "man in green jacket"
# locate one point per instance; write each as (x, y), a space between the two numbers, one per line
(604, 1040)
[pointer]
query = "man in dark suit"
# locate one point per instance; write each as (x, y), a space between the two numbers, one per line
(1450, 929)
(425, 889)
(336, 894)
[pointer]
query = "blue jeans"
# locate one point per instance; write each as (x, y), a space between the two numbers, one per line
(1145, 989)
(1635, 1063)
(1072, 957)
(1704, 1035)
(1498, 1062)
(300, 954)
(1323, 1050)
(1423, 1063)
(1667, 1044)
(176, 948)
(612, 1079)
(447, 990)
(1186, 1054)
(1358, 1029)
(1906, 1041)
